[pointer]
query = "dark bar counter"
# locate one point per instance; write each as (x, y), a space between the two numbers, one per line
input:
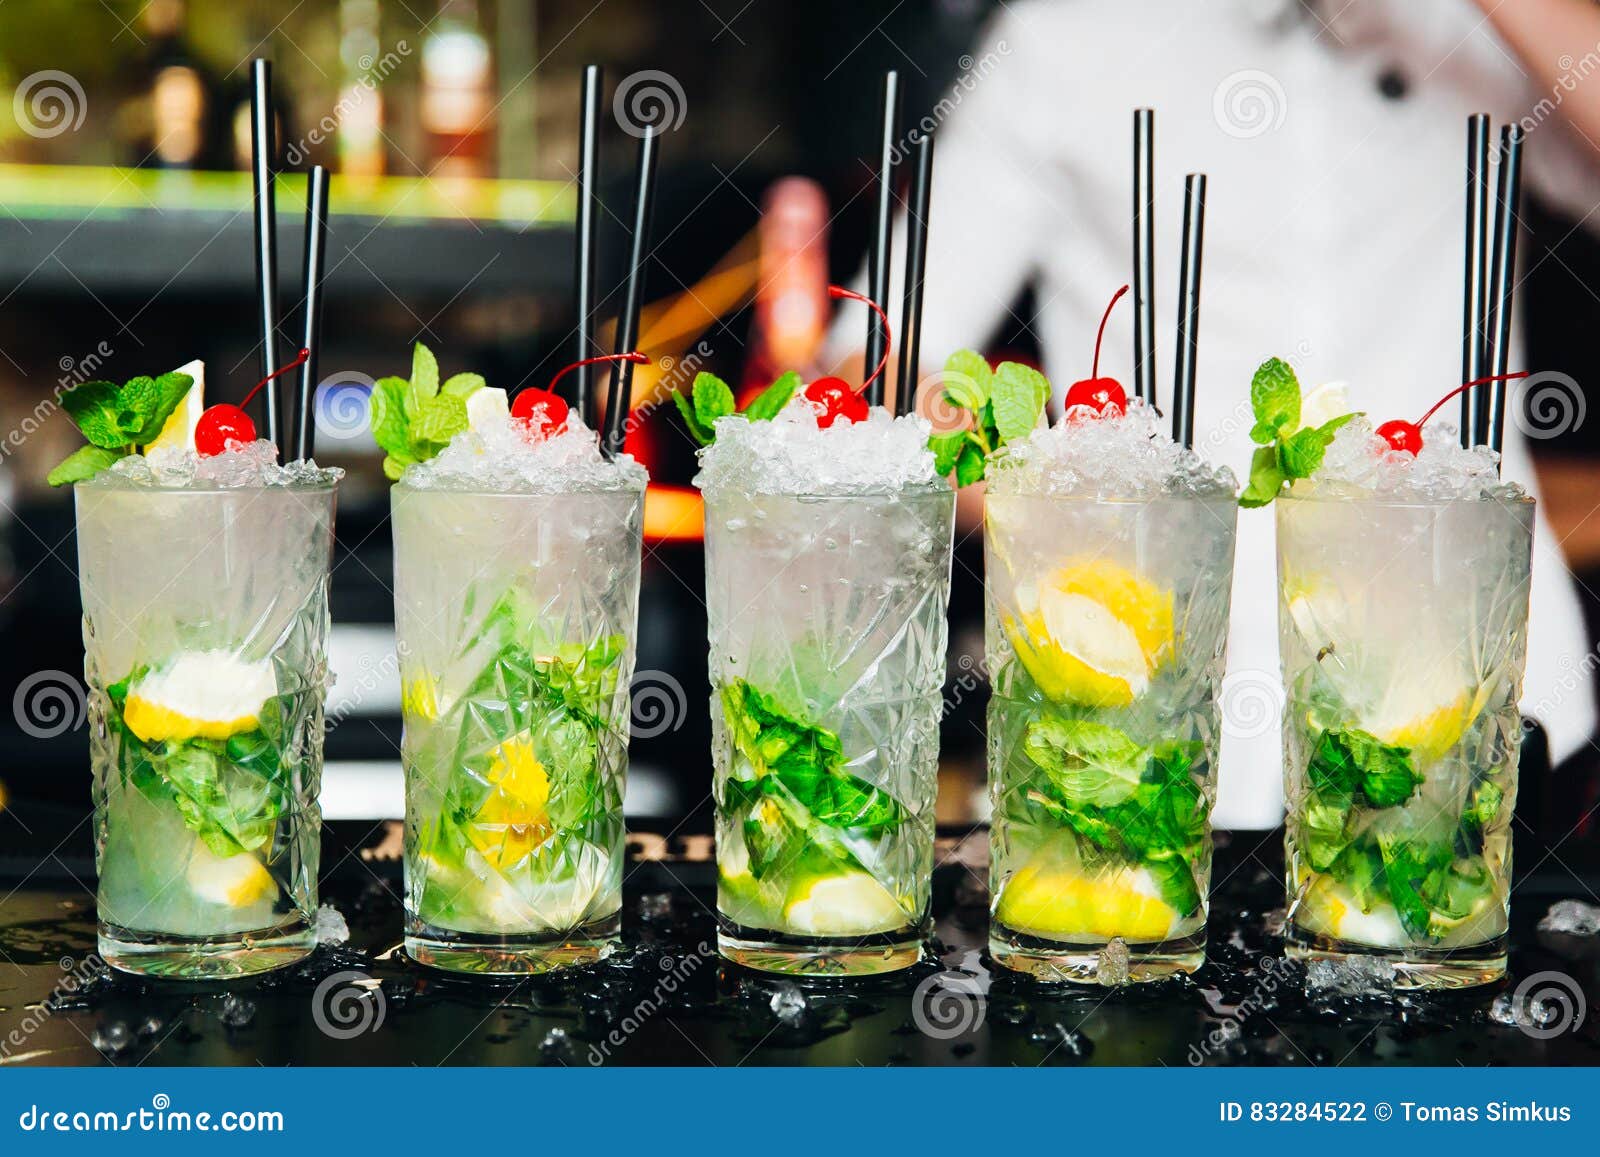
(668, 1000)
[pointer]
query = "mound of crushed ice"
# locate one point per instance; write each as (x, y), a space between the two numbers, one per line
(1359, 465)
(791, 454)
(497, 457)
(243, 464)
(1127, 455)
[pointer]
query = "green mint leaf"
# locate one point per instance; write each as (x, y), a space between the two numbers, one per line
(1266, 478)
(1086, 762)
(1018, 395)
(82, 464)
(441, 418)
(163, 397)
(970, 464)
(1275, 399)
(1174, 877)
(766, 405)
(946, 449)
(1344, 763)
(713, 399)
(1321, 834)
(1413, 872)
(1301, 453)
(697, 431)
(1360, 868)
(391, 428)
(395, 465)
(463, 386)
(94, 408)
(424, 373)
(967, 379)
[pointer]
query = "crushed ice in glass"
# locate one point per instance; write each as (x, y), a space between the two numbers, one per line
(1573, 917)
(497, 457)
(1359, 464)
(241, 465)
(1352, 976)
(1118, 455)
(791, 454)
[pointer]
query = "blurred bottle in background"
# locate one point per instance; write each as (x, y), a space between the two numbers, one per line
(361, 145)
(791, 315)
(458, 92)
(175, 104)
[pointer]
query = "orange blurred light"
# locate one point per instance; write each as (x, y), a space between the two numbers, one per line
(673, 514)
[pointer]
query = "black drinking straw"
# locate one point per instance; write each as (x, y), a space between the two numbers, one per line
(583, 394)
(621, 392)
(1475, 302)
(262, 151)
(311, 336)
(878, 256)
(1194, 233)
(1144, 255)
(1502, 274)
(905, 393)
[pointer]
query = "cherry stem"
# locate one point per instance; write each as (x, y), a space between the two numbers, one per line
(1423, 421)
(1094, 371)
(299, 361)
(838, 291)
(635, 357)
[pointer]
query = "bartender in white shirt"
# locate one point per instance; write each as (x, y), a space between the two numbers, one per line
(1334, 136)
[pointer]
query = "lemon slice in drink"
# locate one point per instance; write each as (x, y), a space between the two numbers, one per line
(515, 818)
(199, 695)
(851, 903)
(178, 432)
(1331, 909)
(1429, 715)
(233, 881)
(1093, 633)
(1324, 403)
(487, 406)
(1056, 902)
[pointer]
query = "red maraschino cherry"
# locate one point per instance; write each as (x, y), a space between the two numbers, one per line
(1406, 437)
(545, 412)
(225, 422)
(1095, 392)
(835, 398)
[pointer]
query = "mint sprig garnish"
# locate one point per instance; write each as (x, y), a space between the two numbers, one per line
(1003, 403)
(1286, 450)
(117, 420)
(412, 420)
(710, 398)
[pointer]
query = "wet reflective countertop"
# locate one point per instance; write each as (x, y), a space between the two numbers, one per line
(667, 999)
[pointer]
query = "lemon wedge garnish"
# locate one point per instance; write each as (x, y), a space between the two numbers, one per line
(178, 432)
(515, 818)
(1093, 633)
(487, 406)
(851, 903)
(199, 695)
(1324, 403)
(1428, 716)
(235, 881)
(1056, 902)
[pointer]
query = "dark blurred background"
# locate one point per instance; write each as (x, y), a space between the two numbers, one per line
(451, 126)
